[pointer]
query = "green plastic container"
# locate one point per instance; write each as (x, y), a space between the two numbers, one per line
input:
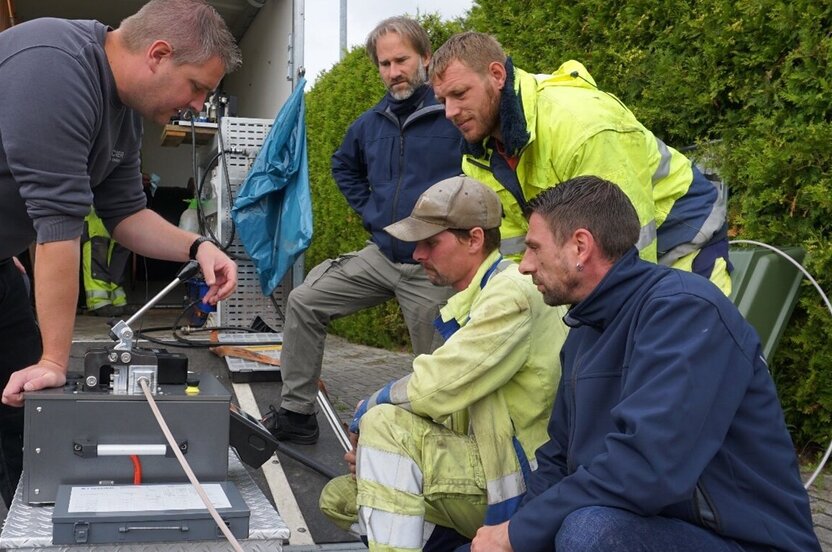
(765, 287)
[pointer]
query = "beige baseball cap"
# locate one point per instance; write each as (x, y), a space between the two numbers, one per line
(459, 202)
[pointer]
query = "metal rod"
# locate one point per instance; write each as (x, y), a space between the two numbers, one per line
(189, 270)
(334, 421)
(12, 22)
(342, 30)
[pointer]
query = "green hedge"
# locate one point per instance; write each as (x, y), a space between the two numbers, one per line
(749, 78)
(752, 74)
(337, 99)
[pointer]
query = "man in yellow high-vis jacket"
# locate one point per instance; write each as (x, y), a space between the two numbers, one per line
(526, 133)
(452, 444)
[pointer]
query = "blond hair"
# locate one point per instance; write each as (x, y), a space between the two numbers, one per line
(474, 50)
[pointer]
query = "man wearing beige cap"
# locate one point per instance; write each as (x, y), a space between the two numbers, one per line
(452, 444)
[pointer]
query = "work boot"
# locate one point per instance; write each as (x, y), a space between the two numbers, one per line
(290, 426)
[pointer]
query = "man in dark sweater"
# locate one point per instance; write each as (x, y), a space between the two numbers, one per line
(73, 95)
(666, 432)
(390, 155)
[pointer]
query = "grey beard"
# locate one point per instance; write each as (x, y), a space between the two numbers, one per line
(420, 79)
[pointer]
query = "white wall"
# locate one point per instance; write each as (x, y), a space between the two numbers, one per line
(260, 84)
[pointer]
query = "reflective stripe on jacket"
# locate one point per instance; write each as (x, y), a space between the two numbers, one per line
(501, 368)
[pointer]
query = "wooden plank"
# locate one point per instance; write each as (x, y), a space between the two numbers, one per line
(246, 353)
(173, 135)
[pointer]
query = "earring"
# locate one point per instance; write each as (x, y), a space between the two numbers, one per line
(579, 267)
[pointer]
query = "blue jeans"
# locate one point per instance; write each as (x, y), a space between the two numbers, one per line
(20, 346)
(602, 529)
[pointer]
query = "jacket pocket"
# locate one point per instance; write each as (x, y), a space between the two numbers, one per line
(704, 509)
(453, 467)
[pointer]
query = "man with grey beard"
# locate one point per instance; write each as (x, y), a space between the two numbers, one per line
(391, 154)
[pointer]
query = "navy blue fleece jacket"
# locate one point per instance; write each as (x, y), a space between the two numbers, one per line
(390, 155)
(666, 407)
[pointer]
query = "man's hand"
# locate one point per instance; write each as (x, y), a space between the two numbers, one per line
(148, 234)
(219, 271)
(38, 376)
(350, 457)
(492, 538)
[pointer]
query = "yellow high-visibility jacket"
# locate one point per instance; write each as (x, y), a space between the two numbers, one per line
(561, 126)
(494, 378)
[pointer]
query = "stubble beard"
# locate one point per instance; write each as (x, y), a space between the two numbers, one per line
(490, 119)
(554, 299)
(565, 293)
(437, 279)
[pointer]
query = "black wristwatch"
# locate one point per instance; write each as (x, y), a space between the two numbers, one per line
(195, 246)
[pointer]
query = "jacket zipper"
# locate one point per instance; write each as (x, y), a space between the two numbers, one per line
(418, 114)
(398, 187)
(705, 509)
(570, 464)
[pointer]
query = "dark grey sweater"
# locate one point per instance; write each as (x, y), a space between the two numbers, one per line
(66, 140)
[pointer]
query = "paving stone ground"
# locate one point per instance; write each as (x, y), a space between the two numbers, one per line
(351, 372)
(821, 496)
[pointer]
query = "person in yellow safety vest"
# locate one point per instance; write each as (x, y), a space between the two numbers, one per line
(104, 264)
(450, 446)
(525, 133)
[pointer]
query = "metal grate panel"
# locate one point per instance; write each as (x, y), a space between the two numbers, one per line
(242, 139)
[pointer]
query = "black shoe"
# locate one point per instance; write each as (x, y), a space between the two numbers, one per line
(290, 426)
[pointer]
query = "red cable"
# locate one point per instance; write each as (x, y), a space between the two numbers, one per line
(137, 470)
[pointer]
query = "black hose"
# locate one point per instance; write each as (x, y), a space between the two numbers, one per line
(306, 461)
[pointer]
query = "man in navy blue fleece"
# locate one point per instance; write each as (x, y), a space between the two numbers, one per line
(390, 155)
(666, 432)
(74, 94)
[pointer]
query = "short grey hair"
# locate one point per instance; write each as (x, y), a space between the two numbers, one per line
(193, 28)
(405, 27)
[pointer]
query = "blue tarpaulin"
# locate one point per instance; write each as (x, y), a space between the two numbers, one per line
(273, 210)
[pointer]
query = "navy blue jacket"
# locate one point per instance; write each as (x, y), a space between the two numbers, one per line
(383, 167)
(666, 407)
